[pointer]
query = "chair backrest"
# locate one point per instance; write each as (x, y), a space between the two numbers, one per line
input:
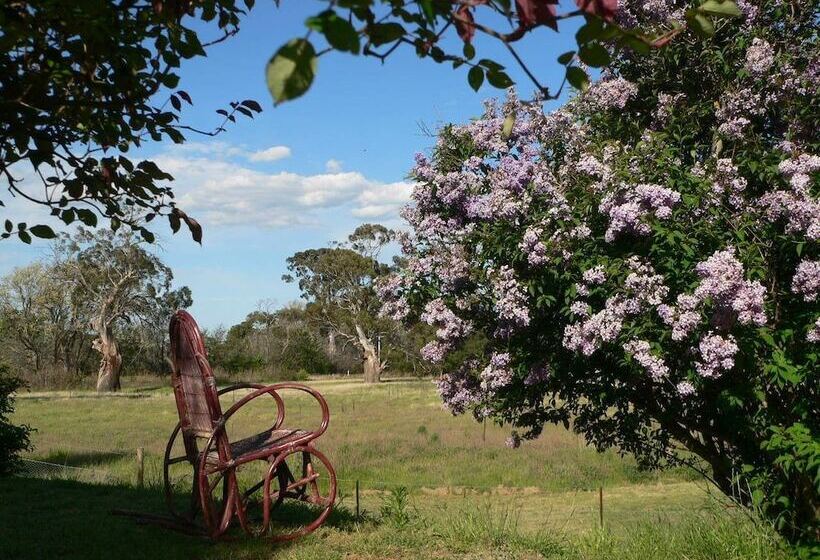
(193, 380)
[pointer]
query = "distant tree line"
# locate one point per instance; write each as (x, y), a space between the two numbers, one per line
(97, 306)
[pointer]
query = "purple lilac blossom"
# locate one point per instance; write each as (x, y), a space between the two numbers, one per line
(497, 374)
(759, 57)
(685, 388)
(814, 333)
(806, 280)
(628, 208)
(723, 281)
(717, 354)
(682, 318)
(666, 104)
(459, 390)
(595, 275)
(610, 93)
(510, 298)
(654, 365)
(533, 247)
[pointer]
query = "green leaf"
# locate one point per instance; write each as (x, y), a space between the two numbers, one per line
(291, 70)
(577, 78)
(720, 8)
(24, 236)
(507, 127)
(594, 54)
(499, 79)
(42, 231)
(339, 32)
(566, 58)
(469, 51)
(86, 216)
(700, 24)
(590, 31)
(383, 33)
(147, 235)
(475, 77)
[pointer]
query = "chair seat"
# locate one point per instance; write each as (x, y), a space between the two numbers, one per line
(266, 440)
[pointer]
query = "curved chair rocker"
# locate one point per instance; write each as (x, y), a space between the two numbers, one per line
(292, 468)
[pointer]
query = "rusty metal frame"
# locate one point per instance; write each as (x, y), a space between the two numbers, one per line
(216, 456)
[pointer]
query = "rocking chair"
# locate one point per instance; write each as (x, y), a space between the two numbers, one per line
(211, 469)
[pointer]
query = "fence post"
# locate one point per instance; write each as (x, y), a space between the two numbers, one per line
(140, 467)
(484, 432)
(357, 499)
(601, 506)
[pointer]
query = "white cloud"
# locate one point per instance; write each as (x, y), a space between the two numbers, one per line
(333, 166)
(225, 193)
(271, 154)
(382, 200)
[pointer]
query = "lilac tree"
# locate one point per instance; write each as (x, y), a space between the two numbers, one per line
(643, 263)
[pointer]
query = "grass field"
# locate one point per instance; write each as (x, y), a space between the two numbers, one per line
(468, 496)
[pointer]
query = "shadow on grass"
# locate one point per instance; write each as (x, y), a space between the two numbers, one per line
(67, 519)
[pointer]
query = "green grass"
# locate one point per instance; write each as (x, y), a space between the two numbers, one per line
(467, 495)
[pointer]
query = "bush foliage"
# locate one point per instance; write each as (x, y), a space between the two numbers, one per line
(642, 263)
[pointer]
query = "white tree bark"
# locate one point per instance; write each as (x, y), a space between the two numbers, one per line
(371, 365)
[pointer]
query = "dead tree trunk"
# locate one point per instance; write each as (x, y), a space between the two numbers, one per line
(108, 377)
(371, 365)
(331, 343)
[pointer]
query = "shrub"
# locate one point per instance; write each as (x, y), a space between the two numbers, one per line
(13, 439)
(644, 261)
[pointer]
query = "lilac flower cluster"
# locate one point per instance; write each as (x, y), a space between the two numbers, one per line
(654, 365)
(450, 326)
(459, 390)
(666, 104)
(632, 12)
(394, 304)
(683, 317)
(799, 171)
(604, 326)
(801, 212)
(497, 374)
(735, 112)
(806, 280)
(727, 181)
(510, 300)
(533, 246)
(685, 388)
(610, 93)
(717, 355)
(722, 280)
(628, 209)
(594, 275)
(759, 57)
(814, 332)
(643, 288)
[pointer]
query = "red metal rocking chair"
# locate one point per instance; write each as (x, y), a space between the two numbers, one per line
(292, 470)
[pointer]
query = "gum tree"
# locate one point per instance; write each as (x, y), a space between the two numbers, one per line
(643, 263)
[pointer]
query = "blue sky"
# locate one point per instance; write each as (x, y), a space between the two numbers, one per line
(306, 172)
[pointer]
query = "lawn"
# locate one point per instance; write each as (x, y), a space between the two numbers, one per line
(467, 496)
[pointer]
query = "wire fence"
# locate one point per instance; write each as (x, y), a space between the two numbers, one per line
(352, 490)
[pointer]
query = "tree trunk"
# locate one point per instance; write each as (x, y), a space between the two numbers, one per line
(108, 377)
(371, 365)
(331, 343)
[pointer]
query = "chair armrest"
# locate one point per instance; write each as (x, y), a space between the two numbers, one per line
(280, 404)
(274, 390)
